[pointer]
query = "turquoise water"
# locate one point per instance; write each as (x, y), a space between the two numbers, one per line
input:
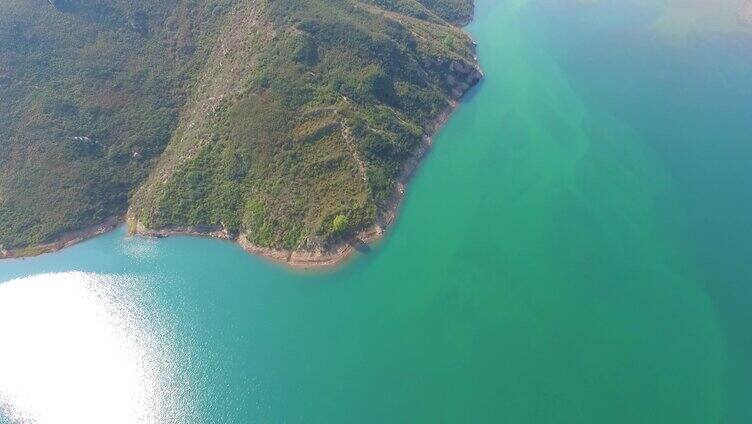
(575, 249)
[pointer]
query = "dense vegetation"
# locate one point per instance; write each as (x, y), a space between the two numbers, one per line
(287, 120)
(90, 98)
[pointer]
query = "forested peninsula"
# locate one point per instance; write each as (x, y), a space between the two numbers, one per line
(289, 126)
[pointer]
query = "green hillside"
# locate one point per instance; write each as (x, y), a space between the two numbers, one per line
(267, 117)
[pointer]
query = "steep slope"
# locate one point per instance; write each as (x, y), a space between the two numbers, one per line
(285, 122)
(90, 95)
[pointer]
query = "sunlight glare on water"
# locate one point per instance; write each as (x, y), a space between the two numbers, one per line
(80, 350)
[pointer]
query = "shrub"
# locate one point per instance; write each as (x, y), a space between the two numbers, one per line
(340, 224)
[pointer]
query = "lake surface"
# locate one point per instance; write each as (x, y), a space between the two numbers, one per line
(577, 248)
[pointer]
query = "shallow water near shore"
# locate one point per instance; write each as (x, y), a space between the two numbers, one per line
(575, 248)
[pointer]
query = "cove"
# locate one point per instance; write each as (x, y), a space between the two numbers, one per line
(575, 248)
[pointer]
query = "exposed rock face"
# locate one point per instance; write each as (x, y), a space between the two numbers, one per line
(462, 77)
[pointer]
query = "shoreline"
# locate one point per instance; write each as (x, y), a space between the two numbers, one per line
(338, 253)
(67, 239)
(294, 259)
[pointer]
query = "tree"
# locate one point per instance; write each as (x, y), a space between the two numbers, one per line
(340, 224)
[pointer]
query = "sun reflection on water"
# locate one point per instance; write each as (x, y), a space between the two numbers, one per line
(77, 347)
